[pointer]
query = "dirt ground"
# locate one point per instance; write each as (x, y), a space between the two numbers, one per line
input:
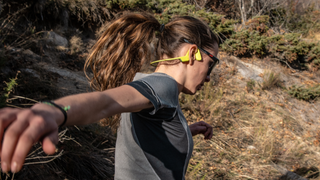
(226, 103)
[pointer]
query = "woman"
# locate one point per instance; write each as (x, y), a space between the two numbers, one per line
(154, 140)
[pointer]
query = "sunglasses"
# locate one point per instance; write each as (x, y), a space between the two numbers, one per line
(212, 64)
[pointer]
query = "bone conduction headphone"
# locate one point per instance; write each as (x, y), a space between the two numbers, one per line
(197, 57)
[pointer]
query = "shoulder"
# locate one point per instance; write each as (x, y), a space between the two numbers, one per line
(159, 82)
(161, 89)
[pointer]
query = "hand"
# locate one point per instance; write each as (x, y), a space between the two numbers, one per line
(20, 129)
(201, 128)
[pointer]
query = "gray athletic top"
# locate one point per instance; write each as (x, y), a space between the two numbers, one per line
(154, 143)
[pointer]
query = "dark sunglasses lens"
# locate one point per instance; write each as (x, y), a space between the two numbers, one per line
(212, 65)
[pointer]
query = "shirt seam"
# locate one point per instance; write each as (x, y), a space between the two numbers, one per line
(188, 152)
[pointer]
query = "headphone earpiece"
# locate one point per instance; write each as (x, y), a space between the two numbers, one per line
(198, 55)
(182, 58)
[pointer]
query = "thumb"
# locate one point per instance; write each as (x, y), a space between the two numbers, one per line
(49, 143)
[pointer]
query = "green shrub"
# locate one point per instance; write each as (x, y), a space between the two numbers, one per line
(7, 90)
(306, 21)
(305, 93)
(258, 23)
(166, 9)
(257, 40)
(250, 85)
(305, 24)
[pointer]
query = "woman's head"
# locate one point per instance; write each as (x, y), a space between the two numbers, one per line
(185, 27)
(187, 34)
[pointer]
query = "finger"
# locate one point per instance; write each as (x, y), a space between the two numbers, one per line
(10, 140)
(7, 116)
(206, 124)
(49, 142)
(207, 133)
(210, 134)
(37, 129)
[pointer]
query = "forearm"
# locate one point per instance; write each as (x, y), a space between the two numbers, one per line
(87, 108)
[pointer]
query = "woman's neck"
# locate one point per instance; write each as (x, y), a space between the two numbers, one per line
(175, 71)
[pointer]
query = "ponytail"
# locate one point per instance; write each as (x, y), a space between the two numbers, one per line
(123, 47)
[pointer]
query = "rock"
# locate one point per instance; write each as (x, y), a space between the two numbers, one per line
(28, 52)
(29, 55)
(292, 176)
(251, 148)
(6, 70)
(33, 72)
(287, 175)
(248, 71)
(54, 39)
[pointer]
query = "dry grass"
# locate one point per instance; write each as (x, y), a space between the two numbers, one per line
(76, 44)
(256, 135)
(270, 80)
(317, 36)
(11, 36)
(89, 12)
(83, 153)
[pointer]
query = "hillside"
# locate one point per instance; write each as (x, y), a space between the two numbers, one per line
(261, 132)
(263, 99)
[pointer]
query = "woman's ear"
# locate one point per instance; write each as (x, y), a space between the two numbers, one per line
(192, 54)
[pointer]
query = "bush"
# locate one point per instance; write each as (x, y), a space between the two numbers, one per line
(305, 93)
(307, 23)
(258, 40)
(7, 90)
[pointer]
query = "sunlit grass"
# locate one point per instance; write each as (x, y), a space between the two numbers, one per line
(251, 134)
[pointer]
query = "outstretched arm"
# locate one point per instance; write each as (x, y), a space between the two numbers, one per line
(21, 128)
(201, 128)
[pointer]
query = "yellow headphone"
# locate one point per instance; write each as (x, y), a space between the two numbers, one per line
(182, 58)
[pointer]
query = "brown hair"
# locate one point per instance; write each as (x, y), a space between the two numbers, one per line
(185, 27)
(121, 50)
(125, 45)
